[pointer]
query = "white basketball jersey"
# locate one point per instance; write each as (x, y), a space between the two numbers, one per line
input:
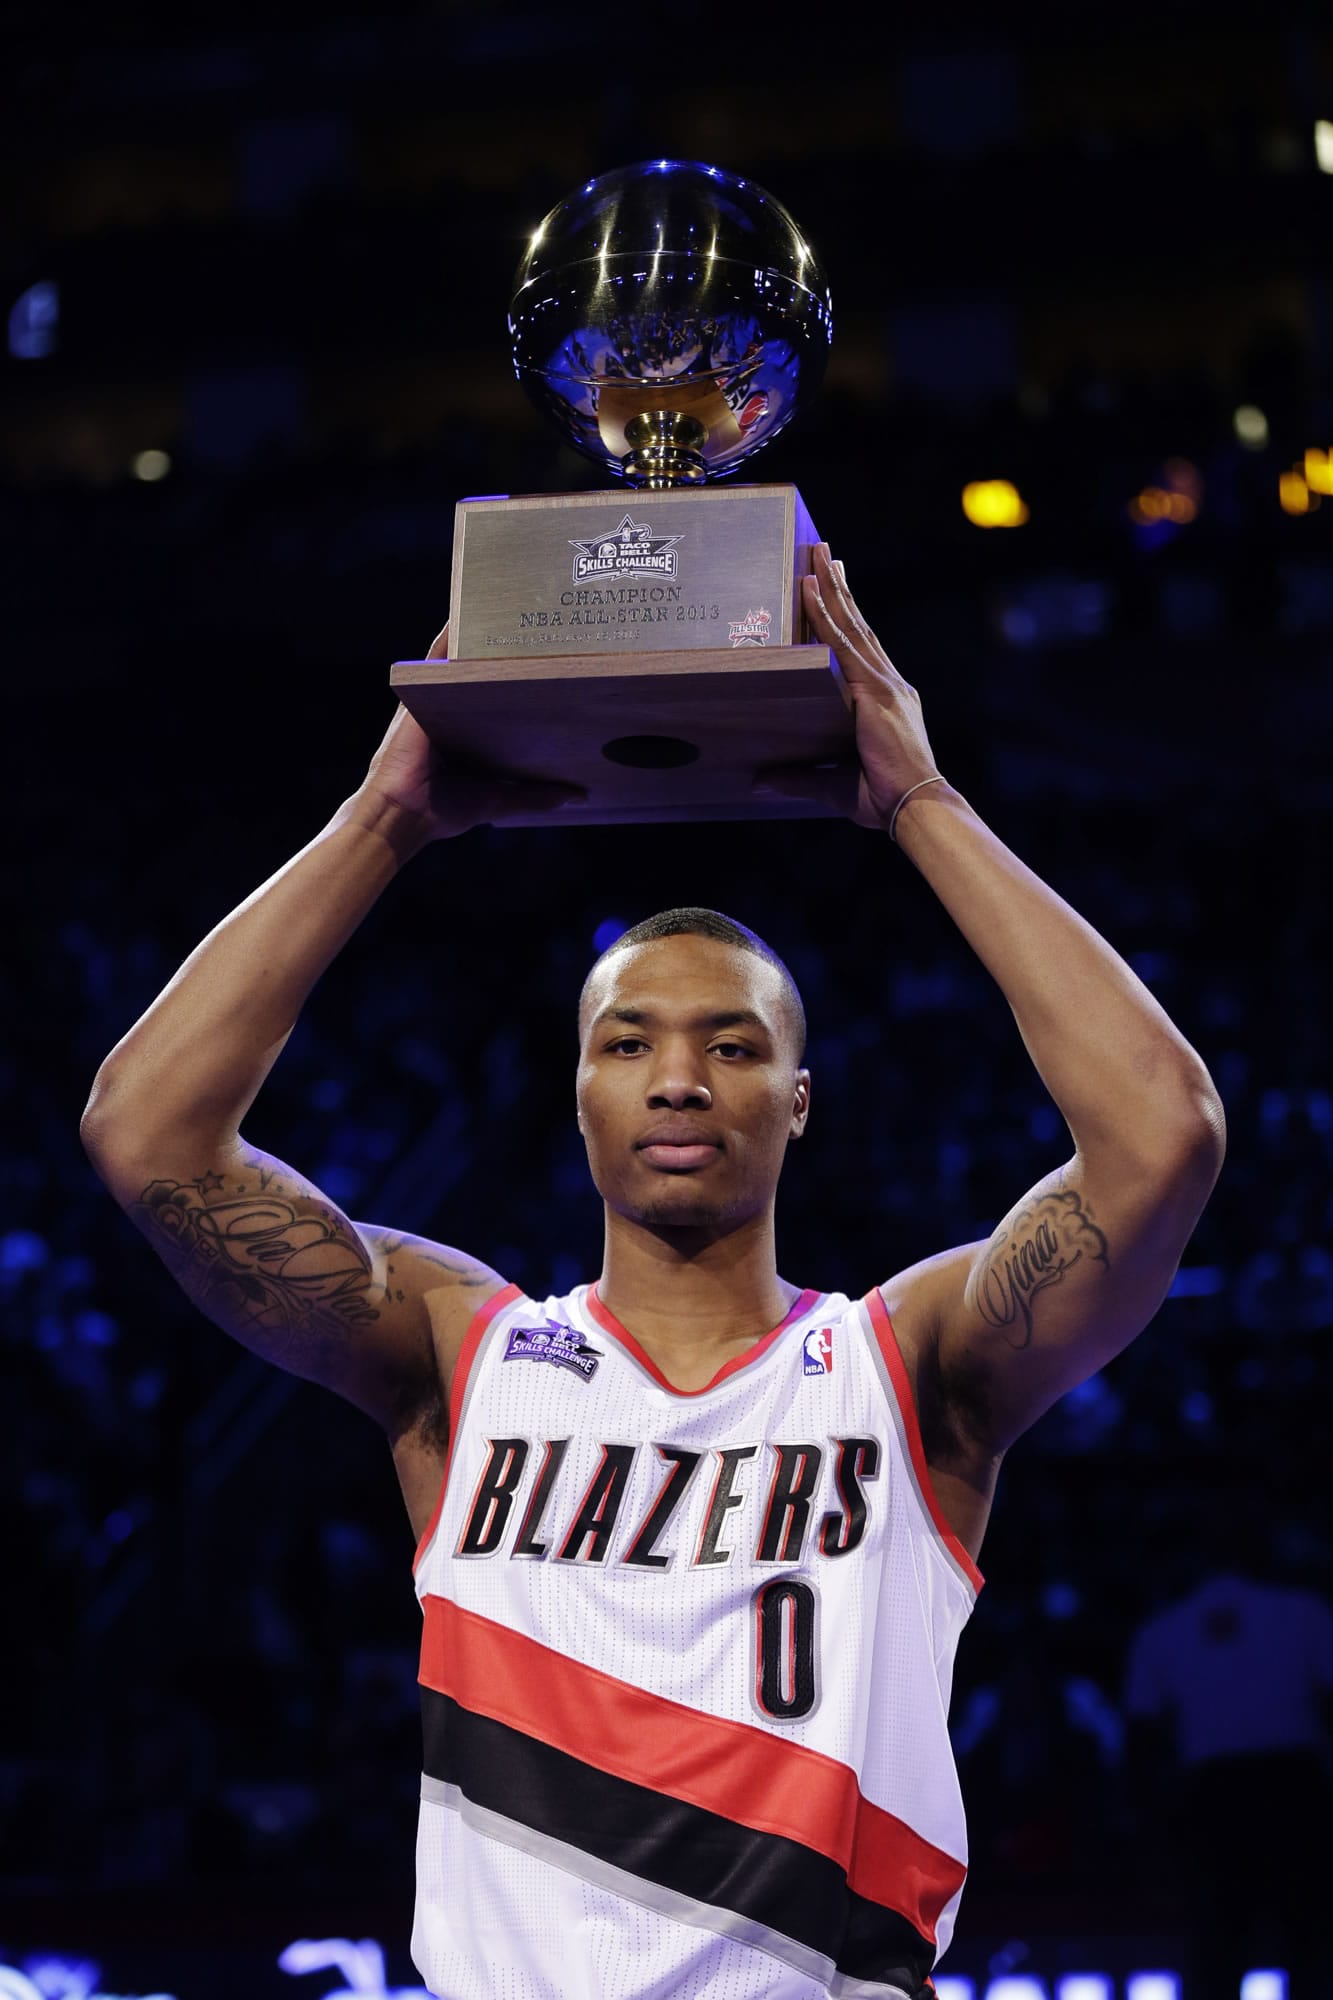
(686, 1668)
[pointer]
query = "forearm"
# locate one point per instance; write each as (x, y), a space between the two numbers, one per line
(190, 1067)
(1120, 1071)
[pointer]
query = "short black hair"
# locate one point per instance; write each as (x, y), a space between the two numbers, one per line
(694, 921)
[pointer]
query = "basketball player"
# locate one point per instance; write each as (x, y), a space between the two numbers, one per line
(695, 1545)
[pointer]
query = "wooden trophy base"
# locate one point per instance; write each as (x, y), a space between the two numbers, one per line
(656, 735)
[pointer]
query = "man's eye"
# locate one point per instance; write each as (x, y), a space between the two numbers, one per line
(628, 1042)
(730, 1049)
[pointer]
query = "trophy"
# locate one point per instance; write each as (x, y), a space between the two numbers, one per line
(648, 642)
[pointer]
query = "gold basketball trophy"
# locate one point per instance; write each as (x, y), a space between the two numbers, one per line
(648, 643)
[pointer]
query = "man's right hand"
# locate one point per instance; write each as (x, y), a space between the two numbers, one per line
(409, 774)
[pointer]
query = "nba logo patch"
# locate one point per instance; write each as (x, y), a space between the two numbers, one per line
(818, 1351)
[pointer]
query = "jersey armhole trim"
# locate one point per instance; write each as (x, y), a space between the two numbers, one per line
(467, 1354)
(887, 1340)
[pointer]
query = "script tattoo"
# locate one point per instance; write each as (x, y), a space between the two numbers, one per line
(254, 1259)
(1032, 1250)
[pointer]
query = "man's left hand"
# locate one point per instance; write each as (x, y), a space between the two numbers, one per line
(892, 749)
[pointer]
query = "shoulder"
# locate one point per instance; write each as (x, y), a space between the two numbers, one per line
(461, 1315)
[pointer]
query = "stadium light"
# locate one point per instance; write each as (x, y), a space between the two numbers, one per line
(1319, 471)
(34, 322)
(1251, 426)
(994, 503)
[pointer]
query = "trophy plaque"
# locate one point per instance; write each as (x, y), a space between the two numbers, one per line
(647, 641)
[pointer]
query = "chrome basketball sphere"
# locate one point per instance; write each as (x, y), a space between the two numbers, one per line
(671, 319)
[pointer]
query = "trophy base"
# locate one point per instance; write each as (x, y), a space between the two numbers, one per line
(653, 736)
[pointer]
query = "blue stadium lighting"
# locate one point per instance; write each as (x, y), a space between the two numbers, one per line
(48, 1976)
(1197, 1281)
(1196, 1409)
(607, 932)
(361, 1965)
(118, 1526)
(23, 1250)
(34, 322)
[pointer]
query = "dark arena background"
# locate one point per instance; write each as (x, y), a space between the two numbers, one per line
(1075, 447)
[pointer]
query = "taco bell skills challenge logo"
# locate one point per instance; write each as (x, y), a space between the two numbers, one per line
(629, 550)
(818, 1351)
(549, 1341)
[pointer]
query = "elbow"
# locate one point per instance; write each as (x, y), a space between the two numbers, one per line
(1194, 1144)
(1191, 1161)
(1204, 1119)
(134, 1129)
(114, 1129)
(1213, 1136)
(1190, 1123)
(92, 1124)
(101, 1127)
(1178, 1138)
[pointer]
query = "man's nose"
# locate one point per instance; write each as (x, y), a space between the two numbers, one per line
(678, 1080)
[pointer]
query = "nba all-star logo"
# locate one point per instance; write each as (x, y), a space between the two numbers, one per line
(752, 630)
(632, 549)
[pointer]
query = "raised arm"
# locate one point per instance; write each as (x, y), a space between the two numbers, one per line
(259, 1248)
(1082, 1262)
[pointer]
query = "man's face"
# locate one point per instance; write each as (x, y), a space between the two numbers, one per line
(688, 1089)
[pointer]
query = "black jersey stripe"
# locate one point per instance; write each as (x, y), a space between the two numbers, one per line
(764, 1878)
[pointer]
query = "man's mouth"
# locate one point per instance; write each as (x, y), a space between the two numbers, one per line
(677, 1155)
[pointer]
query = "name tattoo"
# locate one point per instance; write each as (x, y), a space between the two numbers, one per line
(1046, 1237)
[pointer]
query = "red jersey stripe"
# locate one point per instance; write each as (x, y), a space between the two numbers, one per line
(467, 1354)
(608, 1322)
(737, 1771)
(897, 1367)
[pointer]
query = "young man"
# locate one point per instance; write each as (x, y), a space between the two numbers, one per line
(695, 1546)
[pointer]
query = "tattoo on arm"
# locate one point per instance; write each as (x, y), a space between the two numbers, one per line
(1032, 1249)
(464, 1270)
(258, 1263)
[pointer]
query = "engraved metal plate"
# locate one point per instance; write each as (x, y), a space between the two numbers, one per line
(629, 571)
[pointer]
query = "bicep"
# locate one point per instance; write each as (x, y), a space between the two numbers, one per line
(1070, 1276)
(278, 1266)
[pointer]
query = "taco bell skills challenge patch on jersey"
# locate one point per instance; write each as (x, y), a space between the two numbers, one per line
(552, 1342)
(818, 1350)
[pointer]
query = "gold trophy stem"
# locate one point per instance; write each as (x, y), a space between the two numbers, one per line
(666, 450)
